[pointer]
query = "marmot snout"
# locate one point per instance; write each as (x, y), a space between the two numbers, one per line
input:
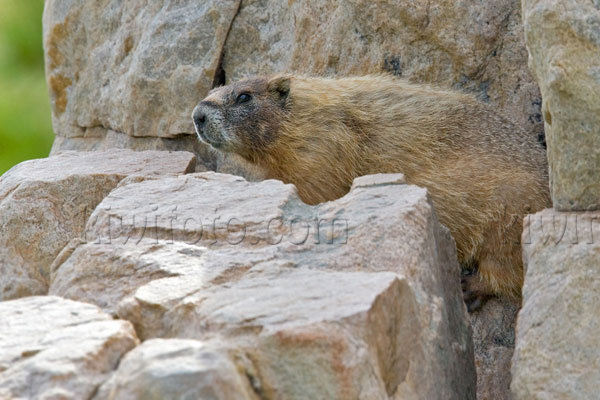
(482, 172)
(242, 118)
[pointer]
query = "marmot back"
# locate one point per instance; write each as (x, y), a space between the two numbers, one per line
(483, 173)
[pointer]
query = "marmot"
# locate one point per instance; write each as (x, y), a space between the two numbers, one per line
(482, 172)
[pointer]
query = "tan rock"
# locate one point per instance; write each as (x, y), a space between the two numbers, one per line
(308, 343)
(303, 312)
(563, 39)
(191, 208)
(132, 67)
(52, 348)
(45, 203)
(557, 344)
(105, 274)
(175, 369)
(103, 140)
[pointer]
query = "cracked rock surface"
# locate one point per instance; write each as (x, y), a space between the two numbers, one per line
(132, 66)
(45, 203)
(355, 298)
(558, 346)
(563, 39)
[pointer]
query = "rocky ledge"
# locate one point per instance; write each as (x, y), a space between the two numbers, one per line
(236, 289)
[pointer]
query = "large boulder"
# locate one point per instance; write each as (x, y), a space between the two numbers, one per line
(556, 354)
(563, 39)
(128, 74)
(45, 203)
(558, 346)
(52, 348)
(356, 298)
(132, 66)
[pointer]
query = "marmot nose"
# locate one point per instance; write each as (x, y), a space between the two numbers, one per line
(199, 118)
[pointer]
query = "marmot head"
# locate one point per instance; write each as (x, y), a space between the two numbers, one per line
(243, 117)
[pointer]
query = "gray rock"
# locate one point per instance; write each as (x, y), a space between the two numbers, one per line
(52, 348)
(176, 369)
(557, 344)
(563, 39)
(45, 203)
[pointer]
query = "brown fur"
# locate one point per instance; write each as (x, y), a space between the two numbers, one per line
(482, 172)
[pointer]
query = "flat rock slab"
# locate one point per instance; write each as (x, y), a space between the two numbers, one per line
(355, 298)
(45, 203)
(557, 344)
(208, 159)
(56, 348)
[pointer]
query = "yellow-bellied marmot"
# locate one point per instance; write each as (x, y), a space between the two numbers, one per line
(482, 172)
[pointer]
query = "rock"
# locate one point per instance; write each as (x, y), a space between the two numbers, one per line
(494, 342)
(52, 348)
(563, 39)
(176, 369)
(130, 66)
(310, 344)
(557, 344)
(128, 75)
(294, 293)
(45, 203)
(474, 46)
(556, 354)
(122, 74)
(104, 140)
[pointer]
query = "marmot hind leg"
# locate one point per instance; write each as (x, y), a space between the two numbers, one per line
(475, 291)
(498, 265)
(493, 274)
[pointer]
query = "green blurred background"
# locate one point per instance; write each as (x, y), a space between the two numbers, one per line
(25, 124)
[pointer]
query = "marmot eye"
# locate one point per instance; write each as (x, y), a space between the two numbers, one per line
(243, 98)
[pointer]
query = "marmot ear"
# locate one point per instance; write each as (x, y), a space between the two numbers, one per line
(279, 86)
